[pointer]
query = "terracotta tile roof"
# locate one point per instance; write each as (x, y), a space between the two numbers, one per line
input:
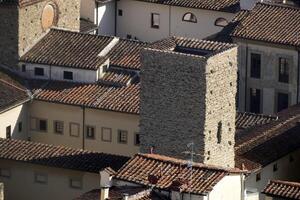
(79, 50)
(248, 120)
(87, 26)
(225, 34)
(57, 156)
(118, 77)
(271, 23)
(98, 96)
(12, 91)
(68, 49)
(117, 193)
(217, 5)
(190, 46)
(166, 173)
(256, 148)
(282, 189)
(126, 54)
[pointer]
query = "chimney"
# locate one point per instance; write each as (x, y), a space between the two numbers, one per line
(104, 193)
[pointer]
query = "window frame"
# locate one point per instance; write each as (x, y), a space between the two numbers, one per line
(120, 138)
(285, 76)
(135, 139)
(36, 174)
(3, 175)
(75, 179)
(190, 20)
(87, 128)
(8, 132)
(277, 100)
(258, 176)
(102, 134)
(217, 21)
(54, 127)
(70, 129)
(39, 68)
(153, 25)
(68, 78)
(258, 92)
(120, 12)
(39, 125)
(253, 66)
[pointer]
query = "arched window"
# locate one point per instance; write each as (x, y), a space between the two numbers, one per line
(221, 22)
(189, 17)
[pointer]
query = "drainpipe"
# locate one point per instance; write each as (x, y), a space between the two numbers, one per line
(116, 13)
(170, 20)
(298, 81)
(97, 18)
(246, 77)
(83, 127)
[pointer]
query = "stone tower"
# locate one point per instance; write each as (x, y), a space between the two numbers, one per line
(24, 21)
(188, 95)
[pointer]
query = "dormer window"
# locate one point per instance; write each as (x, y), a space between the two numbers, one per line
(68, 75)
(222, 22)
(189, 17)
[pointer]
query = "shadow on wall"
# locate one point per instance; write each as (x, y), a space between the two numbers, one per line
(9, 34)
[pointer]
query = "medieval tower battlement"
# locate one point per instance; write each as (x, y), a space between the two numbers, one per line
(25, 21)
(188, 94)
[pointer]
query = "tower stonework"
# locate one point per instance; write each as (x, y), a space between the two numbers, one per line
(189, 98)
(25, 21)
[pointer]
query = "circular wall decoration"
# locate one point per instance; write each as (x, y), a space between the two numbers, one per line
(49, 16)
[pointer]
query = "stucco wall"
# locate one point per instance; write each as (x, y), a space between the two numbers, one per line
(229, 188)
(136, 21)
(21, 185)
(268, 83)
(96, 118)
(87, 9)
(287, 171)
(57, 73)
(106, 18)
(204, 27)
(188, 105)
(12, 118)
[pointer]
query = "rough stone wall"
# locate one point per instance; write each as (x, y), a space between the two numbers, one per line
(172, 102)
(183, 99)
(221, 82)
(8, 32)
(30, 27)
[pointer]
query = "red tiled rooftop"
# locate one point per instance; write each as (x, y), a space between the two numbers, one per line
(283, 189)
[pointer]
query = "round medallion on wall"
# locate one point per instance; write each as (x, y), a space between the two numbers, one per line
(49, 16)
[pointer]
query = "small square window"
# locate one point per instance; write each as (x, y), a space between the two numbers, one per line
(275, 167)
(68, 75)
(74, 129)
(5, 173)
(20, 127)
(23, 68)
(38, 71)
(129, 36)
(137, 141)
(120, 12)
(258, 177)
(122, 136)
(43, 125)
(155, 20)
(8, 132)
(59, 127)
(106, 134)
(90, 132)
(40, 178)
(283, 70)
(75, 183)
